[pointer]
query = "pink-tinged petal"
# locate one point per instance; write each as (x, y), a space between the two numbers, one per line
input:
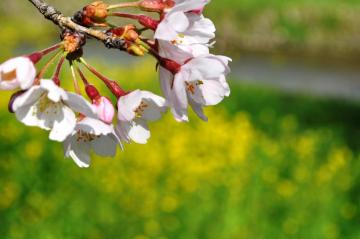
(105, 109)
(178, 21)
(208, 66)
(166, 83)
(180, 100)
(177, 53)
(212, 92)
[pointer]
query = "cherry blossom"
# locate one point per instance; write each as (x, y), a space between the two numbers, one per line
(135, 109)
(51, 108)
(199, 82)
(18, 72)
(91, 135)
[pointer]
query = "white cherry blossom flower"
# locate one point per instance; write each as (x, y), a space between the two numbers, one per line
(134, 110)
(51, 108)
(199, 82)
(184, 32)
(91, 135)
(18, 72)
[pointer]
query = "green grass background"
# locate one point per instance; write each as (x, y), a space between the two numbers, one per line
(266, 165)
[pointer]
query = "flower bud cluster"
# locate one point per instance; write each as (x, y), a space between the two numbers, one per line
(190, 77)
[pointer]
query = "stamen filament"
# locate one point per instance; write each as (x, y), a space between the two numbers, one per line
(82, 76)
(57, 71)
(112, 85)
(76, 84)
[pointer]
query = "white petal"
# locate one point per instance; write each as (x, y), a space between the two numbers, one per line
(80, 105)
(28, 98)
(137, 131)
(197, 108)
(128, 104)
(64, 126)
(78, 151)
(105, 146)
(94, 126)
(55, 93)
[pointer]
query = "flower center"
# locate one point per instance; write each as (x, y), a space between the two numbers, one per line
(191, 86)
(179, 40)
(140, 110)
(46, 106)
(8, 76)
(82, 136)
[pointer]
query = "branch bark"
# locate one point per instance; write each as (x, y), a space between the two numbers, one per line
(50, 13)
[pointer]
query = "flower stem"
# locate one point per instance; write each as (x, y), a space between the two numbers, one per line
(82, 76)
(123, 5)
(125, 15)
(50, 49)
(56, 78)
(112, 85)
(76, 84)
(44, 69)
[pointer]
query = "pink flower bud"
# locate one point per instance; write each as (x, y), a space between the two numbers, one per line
(105, 109)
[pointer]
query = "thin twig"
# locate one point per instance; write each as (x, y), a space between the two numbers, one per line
(50, 13)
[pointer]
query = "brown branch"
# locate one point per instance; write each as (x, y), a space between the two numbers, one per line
(50, 13)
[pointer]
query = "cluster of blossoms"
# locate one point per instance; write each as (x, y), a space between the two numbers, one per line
(189, 76)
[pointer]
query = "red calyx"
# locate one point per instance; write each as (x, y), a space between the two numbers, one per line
(92, 92)
(170, 65)
(35, 57)
(115, 88)
(148, 22)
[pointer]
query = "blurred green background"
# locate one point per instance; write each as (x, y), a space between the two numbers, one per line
(278, 159)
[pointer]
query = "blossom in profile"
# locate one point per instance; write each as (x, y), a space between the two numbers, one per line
(18, 72)
(134, 111)
(91, 135)
(51, 108)
(199, 82)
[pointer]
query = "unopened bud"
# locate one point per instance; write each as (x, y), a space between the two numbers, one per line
(96, 11)
(136, 50)
(105, 109)
(127, 32)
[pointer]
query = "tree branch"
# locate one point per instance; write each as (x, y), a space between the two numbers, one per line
(50, 13)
